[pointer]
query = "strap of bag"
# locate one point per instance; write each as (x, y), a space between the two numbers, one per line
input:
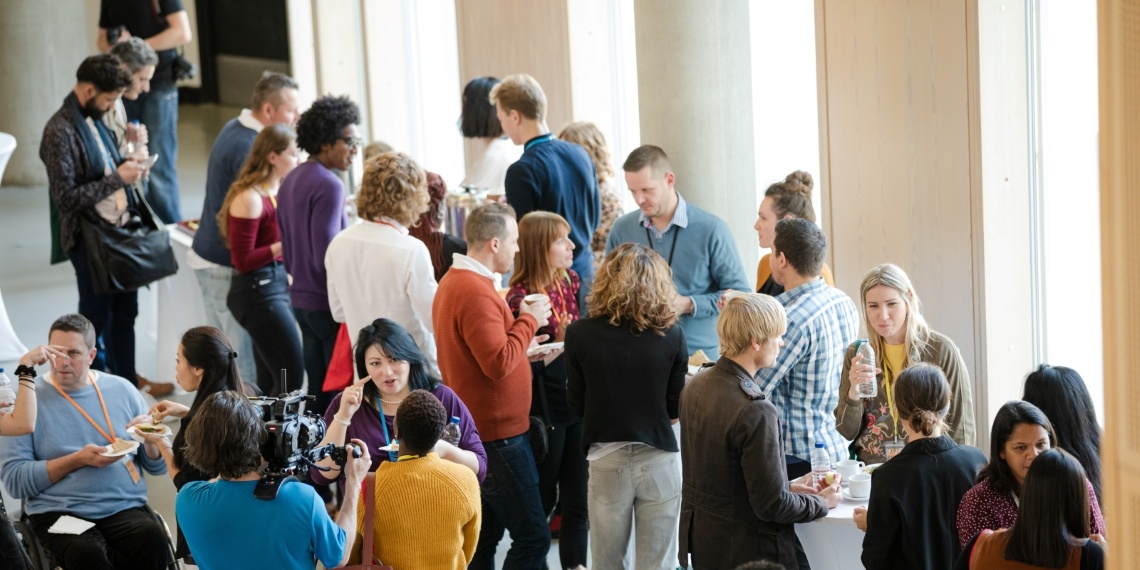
(369, 516)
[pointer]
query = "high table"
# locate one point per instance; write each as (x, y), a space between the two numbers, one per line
(834, 542)
(167, 309)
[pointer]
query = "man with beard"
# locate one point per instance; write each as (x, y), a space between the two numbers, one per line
(87, 177)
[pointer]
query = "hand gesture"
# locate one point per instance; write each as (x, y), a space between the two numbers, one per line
(831, 494)
(166, 408)
(682, 304)
(861, 373)
(356, 468)
(92, 455)
(804, 485)
(130, 171)
(351, 399)
(40, 355)
(724, 295)
(539, 309)
(860, 518)
(534, 342)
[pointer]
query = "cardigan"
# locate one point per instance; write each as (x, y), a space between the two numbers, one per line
(226, 157)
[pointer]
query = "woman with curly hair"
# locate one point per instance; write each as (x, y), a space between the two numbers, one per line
(375, 268)
(311, 212)
(441, 246)
(625, 367)
(589, 136)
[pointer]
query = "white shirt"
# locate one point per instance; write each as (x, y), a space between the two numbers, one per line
(375, 269)
(488, 165)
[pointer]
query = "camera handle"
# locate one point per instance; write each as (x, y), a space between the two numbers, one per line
(271, 482)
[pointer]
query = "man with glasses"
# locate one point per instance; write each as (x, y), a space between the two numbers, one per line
(310, 212)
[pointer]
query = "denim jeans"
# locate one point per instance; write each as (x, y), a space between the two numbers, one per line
(259, 301)
(158, 110)
(113, 317)
(318, 335)
(637, 485)
(511, 501)
(214, 282)
(562, 481)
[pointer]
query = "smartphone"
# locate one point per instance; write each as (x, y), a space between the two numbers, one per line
(148, 163)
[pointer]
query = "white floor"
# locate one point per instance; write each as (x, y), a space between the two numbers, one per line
(35, 292)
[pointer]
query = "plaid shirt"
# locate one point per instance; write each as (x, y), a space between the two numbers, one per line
(804, 383)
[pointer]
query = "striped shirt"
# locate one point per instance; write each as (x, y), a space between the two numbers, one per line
(804, 383)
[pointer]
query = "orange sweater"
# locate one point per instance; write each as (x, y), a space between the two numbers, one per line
(482, 353)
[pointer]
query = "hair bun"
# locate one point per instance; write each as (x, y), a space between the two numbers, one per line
(800, 182)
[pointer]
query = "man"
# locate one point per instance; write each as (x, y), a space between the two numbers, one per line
(165, 26)
(482, 351)
(551, 175)
(227, 527)
(86, 177)
(704, 264)
(274, 101)
(738, 504)
(67, 467)
(822, 321)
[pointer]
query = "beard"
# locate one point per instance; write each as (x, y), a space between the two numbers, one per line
(92, 111)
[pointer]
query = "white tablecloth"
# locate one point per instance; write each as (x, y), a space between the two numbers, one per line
(167, 309)
(833, 542)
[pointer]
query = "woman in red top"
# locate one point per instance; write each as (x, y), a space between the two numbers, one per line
(258, 296)
(543, 266)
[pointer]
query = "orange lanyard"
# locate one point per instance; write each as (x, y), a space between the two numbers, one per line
(107, 416)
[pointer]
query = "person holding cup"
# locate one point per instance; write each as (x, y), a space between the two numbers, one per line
(900, 337)
(909, 519)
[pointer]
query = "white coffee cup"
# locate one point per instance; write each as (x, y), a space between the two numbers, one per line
(849, 468)
(533, 298)
(859, 486)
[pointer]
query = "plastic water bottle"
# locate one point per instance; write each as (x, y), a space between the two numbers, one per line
(451, 432)
(867, 389)
(820, 464)
(7, 395)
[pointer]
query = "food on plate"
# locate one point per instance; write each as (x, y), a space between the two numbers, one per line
(871, 468)
(698, 358)
(121, 445)
(152, 428)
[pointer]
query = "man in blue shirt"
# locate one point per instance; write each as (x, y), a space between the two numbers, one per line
(697, 245)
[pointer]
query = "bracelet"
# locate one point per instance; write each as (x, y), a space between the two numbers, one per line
(342, 422)
(31, 385)
(23, 370)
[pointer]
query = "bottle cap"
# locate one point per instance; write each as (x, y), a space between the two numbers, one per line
(454, 419)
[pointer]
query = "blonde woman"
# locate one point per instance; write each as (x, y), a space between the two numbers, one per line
(892, 314)
(588, 136)
(625, 367)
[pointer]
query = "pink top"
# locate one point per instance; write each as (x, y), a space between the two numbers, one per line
(983, 508)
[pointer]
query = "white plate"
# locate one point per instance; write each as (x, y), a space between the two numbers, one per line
(391, 447)
(131, 449)
(135, 435)
(847, 497)
(693, 370)
(544, 348)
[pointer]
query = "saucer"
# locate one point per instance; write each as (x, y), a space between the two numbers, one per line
(847, 497)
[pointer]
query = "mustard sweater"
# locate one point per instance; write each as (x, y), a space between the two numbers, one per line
(427, 514)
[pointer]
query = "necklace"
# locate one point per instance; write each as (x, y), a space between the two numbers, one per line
(396, 403)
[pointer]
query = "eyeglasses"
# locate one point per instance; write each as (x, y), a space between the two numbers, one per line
(352, 142)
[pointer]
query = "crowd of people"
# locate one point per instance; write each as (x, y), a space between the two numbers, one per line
(550, 398)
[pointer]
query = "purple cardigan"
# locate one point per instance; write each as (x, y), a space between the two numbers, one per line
(366, 427)
(310, 212)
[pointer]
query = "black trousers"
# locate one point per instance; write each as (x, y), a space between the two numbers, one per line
(129, 539)
(562, 481)
(318, 335)
(12, 555)
(259, 300)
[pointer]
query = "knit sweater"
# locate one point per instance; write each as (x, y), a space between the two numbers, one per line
(427, 515)
(482, 352)
(310, 211)
(229, 152)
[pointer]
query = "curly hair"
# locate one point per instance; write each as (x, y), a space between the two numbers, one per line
(105, 72)
(225, 436)
(427, 230)
(421, 419)
(589, 136)
(393, 186)
(635, 286)
(324, 122)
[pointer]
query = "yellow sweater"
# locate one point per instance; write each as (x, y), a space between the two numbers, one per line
(427, 514)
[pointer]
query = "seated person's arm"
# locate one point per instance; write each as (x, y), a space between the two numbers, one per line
(458, 455)
(150, 458)
(89, 456)
(22, 420)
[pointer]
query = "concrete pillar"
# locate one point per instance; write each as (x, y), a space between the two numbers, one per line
(694, 82)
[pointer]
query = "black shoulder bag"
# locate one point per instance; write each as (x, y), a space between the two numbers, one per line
(125, 258)
(539, 429)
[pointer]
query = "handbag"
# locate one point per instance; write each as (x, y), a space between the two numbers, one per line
(369, 517)
(539, 431)
(340, 372)
(124, 258)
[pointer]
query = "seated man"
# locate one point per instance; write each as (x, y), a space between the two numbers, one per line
(422, 497)
(227, 527)
(67, 468)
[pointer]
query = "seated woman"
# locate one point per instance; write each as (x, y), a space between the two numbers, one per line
(900, 337)
(625, 368)
(909, 517)
(788, 199)
(441, 246)
(1020, 433)
(1052, 531)
(393, 366)
(19, 421)
(1060, 392)
(427, 510)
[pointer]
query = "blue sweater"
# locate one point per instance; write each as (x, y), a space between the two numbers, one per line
(557, 176)
(705, 263)
(89, 492)
(229, 153)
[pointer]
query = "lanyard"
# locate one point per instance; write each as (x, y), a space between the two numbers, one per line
(672, 248)
(889, 389)
(392, 455)
(537, 141)
(389, 224)
(106, 416)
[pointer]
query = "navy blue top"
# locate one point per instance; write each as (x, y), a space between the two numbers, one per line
(557, 176)
(229, 152)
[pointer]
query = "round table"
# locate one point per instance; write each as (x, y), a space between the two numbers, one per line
(834, 542)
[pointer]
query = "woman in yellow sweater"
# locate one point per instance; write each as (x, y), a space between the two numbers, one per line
(788, 199)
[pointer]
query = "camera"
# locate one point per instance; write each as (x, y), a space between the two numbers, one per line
(291, 441)
(113, 35)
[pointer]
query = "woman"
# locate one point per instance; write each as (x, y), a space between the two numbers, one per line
(375, 269)
(139, 59)
(441, 246)
(206, 363)
(900, 337)
(21, 420)
(1060, 392)
(788, 199)
(258, 298)
(392, 366)
(913, 497)
(543, 266)
(491, 152)
(590, 137)
(1052, 532)
(625, 367)
(1021, 432)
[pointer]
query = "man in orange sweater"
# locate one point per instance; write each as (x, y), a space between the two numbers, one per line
(482, 351)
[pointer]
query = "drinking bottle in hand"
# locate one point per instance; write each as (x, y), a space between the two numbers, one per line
(820, 465)
(451, 432)
(867, 389)
(7, 395)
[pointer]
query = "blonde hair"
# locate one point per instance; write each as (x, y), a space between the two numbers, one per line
(748, 317)
(520, 92)
(590, 137)
(917, 331)
(537, 232)
(376, 148)
(393, 186)
(635, 286)
(274, 138)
